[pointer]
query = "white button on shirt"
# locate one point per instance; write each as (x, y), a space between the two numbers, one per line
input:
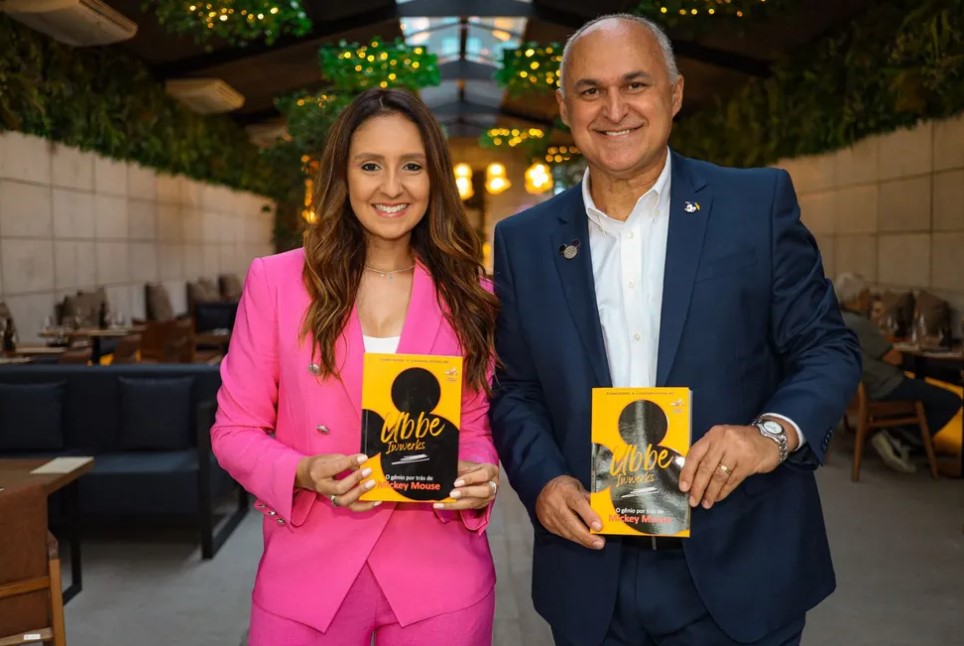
(628, 259)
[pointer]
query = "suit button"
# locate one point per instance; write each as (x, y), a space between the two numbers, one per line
(272, 512)
(321, 428)
(281, 521)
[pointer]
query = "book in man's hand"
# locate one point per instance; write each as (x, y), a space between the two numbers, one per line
(411, 409)
(640, 438)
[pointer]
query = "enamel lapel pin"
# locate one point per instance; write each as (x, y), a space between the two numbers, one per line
(691, 207)
(569, 251)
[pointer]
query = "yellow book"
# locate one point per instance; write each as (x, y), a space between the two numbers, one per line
(640, 437)
(411, 409)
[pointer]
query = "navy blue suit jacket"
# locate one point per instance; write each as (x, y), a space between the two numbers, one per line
(748, 322)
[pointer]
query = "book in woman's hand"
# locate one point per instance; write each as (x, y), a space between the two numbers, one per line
(411, 409)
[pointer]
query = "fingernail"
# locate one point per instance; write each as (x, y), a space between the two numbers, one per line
(367, 472)
(361, 459)
(369, 484)
(707, 504)
(597, 545)
(684, 486)
(597, 526)
(439, 505)
(460, 482)
(456, 494)
(377, 503)
(693, 501)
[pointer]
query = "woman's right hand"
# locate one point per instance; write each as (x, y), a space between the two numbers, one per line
(319, 473)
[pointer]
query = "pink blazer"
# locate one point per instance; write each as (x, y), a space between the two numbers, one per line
(273, 411)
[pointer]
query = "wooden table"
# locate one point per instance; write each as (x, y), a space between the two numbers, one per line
(63, 475)
(95, 334)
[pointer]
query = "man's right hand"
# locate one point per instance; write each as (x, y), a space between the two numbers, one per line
(319, 473)
(563, 508)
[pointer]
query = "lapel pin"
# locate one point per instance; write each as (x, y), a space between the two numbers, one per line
(314, 368)
(570, 250)
(691, 207)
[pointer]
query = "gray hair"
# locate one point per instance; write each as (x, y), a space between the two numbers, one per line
(661, 39)
(849, 287)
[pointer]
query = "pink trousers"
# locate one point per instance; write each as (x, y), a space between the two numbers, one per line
(365, 612)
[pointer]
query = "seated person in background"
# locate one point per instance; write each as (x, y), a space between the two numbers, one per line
(878, 314)
(882, 376)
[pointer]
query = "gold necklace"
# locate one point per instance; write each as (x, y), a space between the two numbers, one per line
(390, 275)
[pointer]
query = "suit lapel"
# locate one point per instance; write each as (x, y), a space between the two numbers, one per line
(577, 280)
(690, 204)
(424, 316)
(349, 355)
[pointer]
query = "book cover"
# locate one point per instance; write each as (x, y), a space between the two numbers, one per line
(640, 437)
(411, 409)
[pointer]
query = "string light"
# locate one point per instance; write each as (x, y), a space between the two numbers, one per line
(236, 21)
(678, 11)
(351, 67)
(519, 66)
(463, 180)
(538, 179)
(495, 179)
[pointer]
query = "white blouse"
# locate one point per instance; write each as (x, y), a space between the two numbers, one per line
(381, 344)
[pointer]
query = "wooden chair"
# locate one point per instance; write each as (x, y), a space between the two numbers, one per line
(873, 415)
(31, 598)
(127, 349)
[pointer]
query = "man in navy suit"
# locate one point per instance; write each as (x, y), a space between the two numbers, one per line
(667, 271)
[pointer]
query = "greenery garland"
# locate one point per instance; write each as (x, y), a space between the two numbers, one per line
(697, 15)
(100, 100)
(531, 67)
(890, 67)
(235, 21)
(532, 140)
(351, 68)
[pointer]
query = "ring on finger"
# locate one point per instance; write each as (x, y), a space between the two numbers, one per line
(725, 469)
(494, 486)
(334, 503)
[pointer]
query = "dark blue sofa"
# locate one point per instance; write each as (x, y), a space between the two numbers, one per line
(147, 426)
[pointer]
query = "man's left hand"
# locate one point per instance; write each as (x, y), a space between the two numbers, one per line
(722, 459)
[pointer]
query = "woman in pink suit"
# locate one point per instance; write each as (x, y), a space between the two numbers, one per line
(390, 265)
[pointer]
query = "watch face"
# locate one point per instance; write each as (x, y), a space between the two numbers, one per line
(771, 428)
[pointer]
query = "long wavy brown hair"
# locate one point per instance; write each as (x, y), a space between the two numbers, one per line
(443, 241)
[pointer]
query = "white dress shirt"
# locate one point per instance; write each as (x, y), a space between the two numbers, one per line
(381, 344)
(628, 263)
(628, 260)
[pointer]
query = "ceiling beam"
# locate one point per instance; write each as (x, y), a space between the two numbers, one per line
(466, 71)
(321, 31)
(448, 8)
(445, 111)
(460, 109)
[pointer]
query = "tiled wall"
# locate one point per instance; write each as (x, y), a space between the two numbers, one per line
(891, 208)
(74, 220)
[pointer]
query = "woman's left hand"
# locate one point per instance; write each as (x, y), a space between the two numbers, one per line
(475, 487)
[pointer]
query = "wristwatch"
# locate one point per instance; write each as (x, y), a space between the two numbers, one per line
(773, 431)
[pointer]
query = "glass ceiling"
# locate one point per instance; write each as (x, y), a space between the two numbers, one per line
(486, 37)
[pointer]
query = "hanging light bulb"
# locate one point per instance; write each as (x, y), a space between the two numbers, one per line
(308, 213)
(495, 180)
(538, 179)
(463, 180)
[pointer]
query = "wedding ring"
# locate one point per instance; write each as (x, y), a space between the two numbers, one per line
(725, 469)
(334, 503)
(494, 486)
